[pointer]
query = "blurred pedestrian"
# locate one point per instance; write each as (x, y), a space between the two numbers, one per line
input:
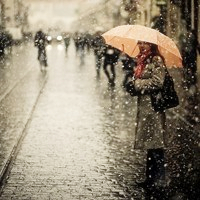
(149, 75)
(111, 56)
(40, 43)
(6, 41)
(75, 38)
(158, 23)
(99, 47)
(79, 42)
(128, 65)
(66, 38)
(189, 46)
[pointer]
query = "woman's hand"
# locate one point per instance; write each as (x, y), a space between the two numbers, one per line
(130, 88)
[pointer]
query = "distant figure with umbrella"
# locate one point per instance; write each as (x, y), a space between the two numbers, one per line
(40, 43)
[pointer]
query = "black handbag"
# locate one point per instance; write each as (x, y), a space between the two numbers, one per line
(166, 97)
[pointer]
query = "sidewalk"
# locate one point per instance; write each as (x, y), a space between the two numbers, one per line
(21, 82)
(184, 152)
(189, 108)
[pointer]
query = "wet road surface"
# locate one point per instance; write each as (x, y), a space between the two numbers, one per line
(78, 143)
(20, 86)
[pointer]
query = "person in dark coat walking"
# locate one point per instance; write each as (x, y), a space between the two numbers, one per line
(98, 47)
(40, 43)
(189, 45)
(111, 56)
(149, 76)
(66, 38)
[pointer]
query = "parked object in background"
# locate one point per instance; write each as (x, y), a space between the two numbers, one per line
(54, 35)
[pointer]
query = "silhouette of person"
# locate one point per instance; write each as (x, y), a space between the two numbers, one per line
(40, 43)
(66, 38)
(111, 56)
(189, 46)
(79, 42)
(98, 47)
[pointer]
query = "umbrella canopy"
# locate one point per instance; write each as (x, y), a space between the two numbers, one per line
(126, 37)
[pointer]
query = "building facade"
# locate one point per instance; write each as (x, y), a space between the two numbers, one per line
(2, 14)
(15, 17)
(183, 15)
(171, 16)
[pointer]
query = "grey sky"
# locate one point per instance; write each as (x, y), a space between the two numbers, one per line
(45, 13)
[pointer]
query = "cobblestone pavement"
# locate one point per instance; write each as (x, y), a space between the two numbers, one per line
(77, 145)
(20, 84)
(79, 141)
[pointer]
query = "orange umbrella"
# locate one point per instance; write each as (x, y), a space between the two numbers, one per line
(126, 37)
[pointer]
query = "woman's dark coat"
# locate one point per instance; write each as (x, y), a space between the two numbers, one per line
(150, 125)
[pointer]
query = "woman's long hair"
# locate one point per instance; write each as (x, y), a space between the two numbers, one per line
(156, 52)
(145, 57)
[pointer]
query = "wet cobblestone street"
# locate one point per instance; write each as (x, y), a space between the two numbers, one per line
(99, 100)
(77, 145)
(78, 142)
(20, 87)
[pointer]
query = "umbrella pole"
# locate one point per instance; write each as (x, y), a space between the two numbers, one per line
(134, 49)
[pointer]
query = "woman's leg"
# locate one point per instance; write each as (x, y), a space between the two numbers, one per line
(155, 169)
(106, 71)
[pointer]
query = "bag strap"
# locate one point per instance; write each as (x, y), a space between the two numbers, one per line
(167, 72)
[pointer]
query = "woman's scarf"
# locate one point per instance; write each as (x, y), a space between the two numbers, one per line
(141, 58)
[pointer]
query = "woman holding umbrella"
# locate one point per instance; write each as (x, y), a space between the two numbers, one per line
(149, 76)
(154, 52)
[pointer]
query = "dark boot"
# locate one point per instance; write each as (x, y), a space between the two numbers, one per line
(155, 170)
